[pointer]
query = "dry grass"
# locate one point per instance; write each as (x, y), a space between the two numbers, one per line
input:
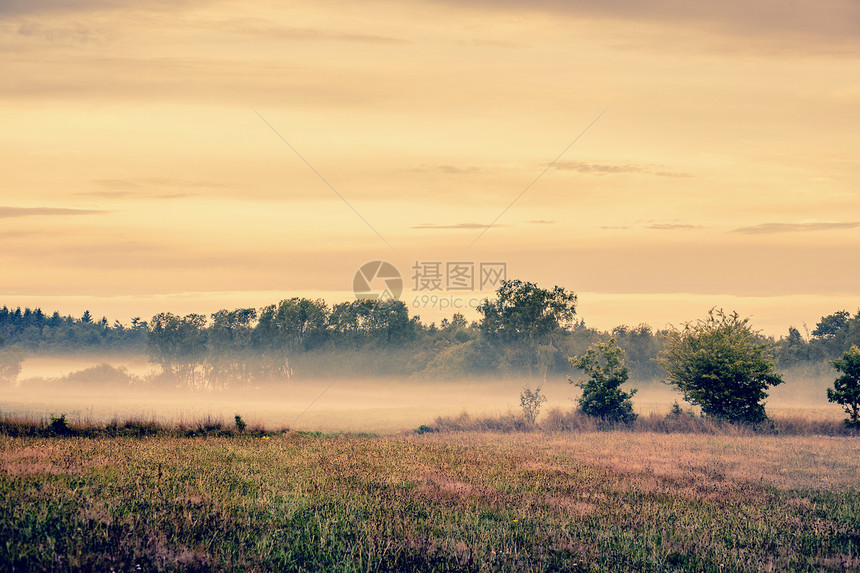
(452, 501)
(556, 420)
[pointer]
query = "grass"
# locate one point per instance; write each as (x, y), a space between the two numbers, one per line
(439, 501)
(59, 426)
(557, 420)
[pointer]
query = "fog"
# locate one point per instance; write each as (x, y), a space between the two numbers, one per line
(381, 405)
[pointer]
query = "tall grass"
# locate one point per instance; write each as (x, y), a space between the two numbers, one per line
(591, 501)
(57, 426)
(557, 420)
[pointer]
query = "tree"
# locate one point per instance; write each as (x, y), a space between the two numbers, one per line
(524, 311)
(178, 344)
(523, 317)
(228, 342)
(11, 359)
(846, 388)
(830, 325)
(602, 396)
(722, 365)
(531, 401)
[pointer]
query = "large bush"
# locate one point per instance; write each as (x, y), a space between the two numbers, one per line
(846, 388)
(722, 365)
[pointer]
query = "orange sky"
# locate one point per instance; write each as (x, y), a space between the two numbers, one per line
(137, 175)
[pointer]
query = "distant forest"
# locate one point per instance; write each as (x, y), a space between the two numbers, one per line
(525, 330)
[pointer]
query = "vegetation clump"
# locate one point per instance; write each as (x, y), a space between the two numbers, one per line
(602, 396)
(722, 365)
(846, 388)
(531, 402)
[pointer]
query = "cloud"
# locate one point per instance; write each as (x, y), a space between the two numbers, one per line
(827, 21)
(261, 28)
(773, 228)
(447, 169)
(121, 194)
(671, 226)
(541, 222)
(608, 168)
(156, 182)
(11, 212)
(456, 226)
(18, 7)
(142, 188)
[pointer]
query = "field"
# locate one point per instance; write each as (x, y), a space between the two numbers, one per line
(448, 501)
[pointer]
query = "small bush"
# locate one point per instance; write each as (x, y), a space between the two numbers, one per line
(240, 424)
(531, 401)
(59, 426)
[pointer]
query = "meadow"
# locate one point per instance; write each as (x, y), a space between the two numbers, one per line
(544, 500)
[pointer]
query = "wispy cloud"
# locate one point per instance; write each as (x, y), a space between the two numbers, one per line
(541, 222)
(671, 226)
(149, 188)
(12, 212)
(65, 6)
(129, 194)
(455, 226)
(652, 226)
(309, 34)
(616, 168)
(446, 169)
(773, 228)
(157, 182)
(827, 20)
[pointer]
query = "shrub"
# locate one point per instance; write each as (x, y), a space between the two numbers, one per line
(531, 401)
(602, 396)
(846, 388)
(720, 364)
(240, 424)
(59, 426)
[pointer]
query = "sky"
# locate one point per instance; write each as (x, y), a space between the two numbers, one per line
(658, 158)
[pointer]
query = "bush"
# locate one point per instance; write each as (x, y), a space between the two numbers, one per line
(846, 388)
(720, 364)
(59, 426)
(602, 396)
(531, 401)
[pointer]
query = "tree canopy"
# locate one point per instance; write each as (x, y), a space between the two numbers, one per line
(722, 365)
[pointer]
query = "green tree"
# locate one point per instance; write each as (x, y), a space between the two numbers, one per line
(178, 344)
(830, 325)
(531, 401)
(524, 311)
(722, 365)
(11, 359)
(846, 388)
(228, 342)
(602, 396)
(523, 317)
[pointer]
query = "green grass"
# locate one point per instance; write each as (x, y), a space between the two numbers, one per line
(597, 501)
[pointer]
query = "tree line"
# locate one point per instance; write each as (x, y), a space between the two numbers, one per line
(524, 329)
